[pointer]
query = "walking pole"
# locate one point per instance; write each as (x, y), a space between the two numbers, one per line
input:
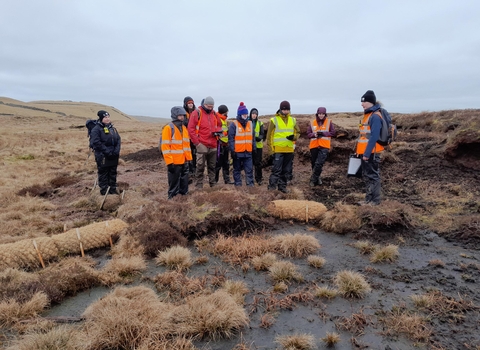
(104, 197)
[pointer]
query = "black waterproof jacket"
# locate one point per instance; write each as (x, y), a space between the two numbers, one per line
(105, 140)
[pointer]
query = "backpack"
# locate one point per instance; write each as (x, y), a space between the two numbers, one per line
(160, 141)
(90, 124)
(388, 132)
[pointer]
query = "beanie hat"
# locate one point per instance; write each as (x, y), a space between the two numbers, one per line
(222, 109)
(369, 96)
(102, 114)
(242, 109)
(208, 101)
(284, 105)
(176, 111)
(321, 110)
(187, 99)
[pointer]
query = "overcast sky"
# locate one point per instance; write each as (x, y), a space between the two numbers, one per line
(143, 57)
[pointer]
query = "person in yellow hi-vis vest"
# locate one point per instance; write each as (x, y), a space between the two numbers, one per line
(176, 152)
(223, 151)
(368, 149)
(282, 132)
(320, 131)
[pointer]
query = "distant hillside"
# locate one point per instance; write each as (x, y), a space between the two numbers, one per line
(11, 107)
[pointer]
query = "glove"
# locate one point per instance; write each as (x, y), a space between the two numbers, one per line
(171, 167)
(290, 137)
(258, 139)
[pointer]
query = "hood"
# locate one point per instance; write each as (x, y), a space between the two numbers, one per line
(176, 111)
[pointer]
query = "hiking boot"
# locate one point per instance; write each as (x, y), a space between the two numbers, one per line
(362, 203)
(260, 183)
(283, 190)
(103, 191)
(229, 182)
(113, 191)
(319, 182)
(312, 184)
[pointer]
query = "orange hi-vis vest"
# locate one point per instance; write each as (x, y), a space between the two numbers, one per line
(176, 147)
(243, 137)
(364, 136)
(323, 141)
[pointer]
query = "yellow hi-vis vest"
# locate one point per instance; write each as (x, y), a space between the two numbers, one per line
(323, 141)
(364, 136)
(282, 131)
(243, 137)
(257, 133)
(224, 138)
(176, 147)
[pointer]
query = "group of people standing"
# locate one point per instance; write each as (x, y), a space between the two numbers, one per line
(199, 138)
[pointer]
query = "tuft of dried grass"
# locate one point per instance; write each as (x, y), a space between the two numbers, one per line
(391, 214)
(123, 269)
(201, 260)
(355, 324)
(263, 262)
(412, 326)
(387, 253)
(316, 261)
(437, 263)
(237, 289)
(351, 284)
(59, 338)
(296, 341)
(12, 311)
(325, 292)
(296, 245)
(280, 287)
(178, 285)
(267, 320)
(284, 271)
(331, 338)
(343, 218)
(236, 250)
(365, 247)
(176, 257)
(422, 301)
(126, 247)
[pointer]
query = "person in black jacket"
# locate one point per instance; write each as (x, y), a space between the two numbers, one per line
(106, 143)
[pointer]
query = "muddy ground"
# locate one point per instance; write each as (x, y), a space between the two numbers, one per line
(432, 174)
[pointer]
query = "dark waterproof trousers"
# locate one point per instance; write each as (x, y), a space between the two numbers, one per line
(246, 164)
(222, 163)
(192, 165)
(371, 176)
(107, 173)
(281, 170)
(177, 179)
(257, 163)
(206, 157)
(319, 156)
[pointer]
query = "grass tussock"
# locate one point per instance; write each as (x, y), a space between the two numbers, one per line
(58, 338)
(365, 247)
(343, 218)
(237, 289)
(175, 258)
(388, 253)
(351, 284)
(355, 324)
(236, 250)
(12, 311)
(16, 285)
(390, 215)
(127, 246)
(316, 261)
(413, 326)
(325, 292)
(284, 271)
(178, 286)
(300, 341)
(331, 338)
(123, 269)
(444, 307)
(436, 262)
(267, 320)
(263, 262)
(295, 245)
(280, 287)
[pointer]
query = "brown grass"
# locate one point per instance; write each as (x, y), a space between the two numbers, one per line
(355, 324)
(331, 338)
(365, 247)
(267, 320)
(390, 215)
(237, 289)
(316, 261)
(436, 262)
(284, 271)
(351, 284)
(58, 338)
(343, 218)
(412, 326)
(12, 311)
(446, 308)
(178, 286)
(235, 250)
(123, 269)
(263, 262)
(295, 245)
(176, 257)
(325, 292)
(296, 342)
(388, 253)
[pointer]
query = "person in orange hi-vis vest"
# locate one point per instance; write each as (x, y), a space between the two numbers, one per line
(320, 131)
(368, 149)
(176, 152)
(241, 140)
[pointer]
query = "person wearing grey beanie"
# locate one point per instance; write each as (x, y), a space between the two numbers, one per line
(205, 128)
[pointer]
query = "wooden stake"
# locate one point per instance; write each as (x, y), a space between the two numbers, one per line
(81, 245)
(123, 194)
(306, 213)
(111, 242)
(64, 227)
(39, 254)
(104, 197)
